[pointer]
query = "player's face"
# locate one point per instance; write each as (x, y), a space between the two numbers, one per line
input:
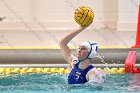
(82, 52)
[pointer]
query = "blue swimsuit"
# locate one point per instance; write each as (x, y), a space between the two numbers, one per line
(77, 75)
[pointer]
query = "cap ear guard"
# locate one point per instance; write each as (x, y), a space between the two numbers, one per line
(93, 49)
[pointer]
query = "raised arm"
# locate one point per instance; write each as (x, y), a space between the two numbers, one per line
(65, 40)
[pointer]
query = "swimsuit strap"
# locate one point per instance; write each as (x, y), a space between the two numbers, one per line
(77, 64)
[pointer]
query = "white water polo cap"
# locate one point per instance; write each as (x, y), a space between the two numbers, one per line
(92, 48)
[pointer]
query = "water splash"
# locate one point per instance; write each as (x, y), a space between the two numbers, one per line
(96, 79)
(101, 58)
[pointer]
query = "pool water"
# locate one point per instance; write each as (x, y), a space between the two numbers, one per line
(57, 83)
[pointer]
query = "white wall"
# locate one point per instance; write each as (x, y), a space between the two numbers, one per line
(43, 22)
(115, 14)
(127, 14)
(53, 13)
(15, 10)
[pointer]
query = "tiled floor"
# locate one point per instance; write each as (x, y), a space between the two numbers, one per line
(104, 37)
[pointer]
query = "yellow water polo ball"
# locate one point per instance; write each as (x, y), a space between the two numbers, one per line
(84, 15)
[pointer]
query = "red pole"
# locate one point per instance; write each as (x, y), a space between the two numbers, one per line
(137, 45)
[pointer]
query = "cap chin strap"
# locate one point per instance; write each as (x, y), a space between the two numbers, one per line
(89, 51)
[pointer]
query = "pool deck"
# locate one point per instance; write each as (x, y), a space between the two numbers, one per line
(54, 56)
